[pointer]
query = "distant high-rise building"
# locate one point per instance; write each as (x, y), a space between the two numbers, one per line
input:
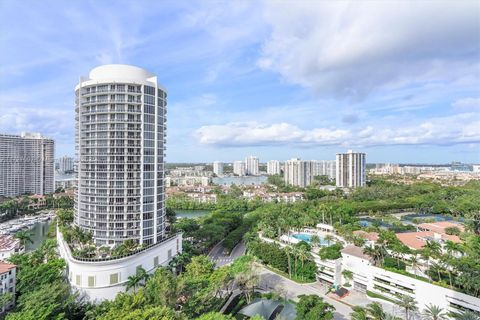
(273, 167)
(351, 169)
(251, 166)
(298, 172)
(26, 164)
(65, 164)
(218, 168)
(324, 168)
(239, 168)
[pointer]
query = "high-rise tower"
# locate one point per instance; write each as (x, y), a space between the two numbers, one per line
(120, 139)
(351, 168)
(26, 164)
(120, 143)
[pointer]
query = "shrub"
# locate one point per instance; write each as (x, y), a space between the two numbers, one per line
(331, 252)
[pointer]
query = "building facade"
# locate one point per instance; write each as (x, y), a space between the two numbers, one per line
(120, 139)
(7, 284)
(351, 169)
(239, 168)
(324, 168)
(26, 164)
(218, 168)
(298, 172)
(251, 166)
(120, 144)
(65, 164)
(273, 167)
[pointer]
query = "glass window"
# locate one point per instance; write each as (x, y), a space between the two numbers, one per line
(114, 278)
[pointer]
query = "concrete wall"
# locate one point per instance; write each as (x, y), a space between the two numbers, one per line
(101, 273)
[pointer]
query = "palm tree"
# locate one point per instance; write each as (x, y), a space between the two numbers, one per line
(133, 282)
(375, 311)
(289, 252)
(415, 264)
(409, 304)
(376, 252)
(329, 238)
(358, 313)
(315, 240)
(467, 315)
(432, 312)
(24, 237)
(348, 275)
(434, 248)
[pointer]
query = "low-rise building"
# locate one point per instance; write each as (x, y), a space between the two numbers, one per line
(9, 245)
(7, 283)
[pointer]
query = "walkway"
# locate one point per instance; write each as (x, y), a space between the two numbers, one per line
(271, 281)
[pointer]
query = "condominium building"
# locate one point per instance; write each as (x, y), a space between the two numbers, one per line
(273, 167)
(324, 168)
(120, 144)
(218, 168)
(251, 166)
(65, 164)
(26, 164)
(7, 284)
(351, 169)
(298, 172)
(239, 168)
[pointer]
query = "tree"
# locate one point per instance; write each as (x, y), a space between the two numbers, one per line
(467, 315)
(375, 311)
(432, 312)
(408, 303)
(332, 252)
(24, 237)
(136, 280)
(348, 275)
(358, 313)
(312, 307)
(215, 316)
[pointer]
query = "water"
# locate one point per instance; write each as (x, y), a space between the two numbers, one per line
(191, 213)
(308, 238)
(38, 233)
(248, 180)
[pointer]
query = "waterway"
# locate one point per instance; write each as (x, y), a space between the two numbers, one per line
(247, 180)
(38, 234)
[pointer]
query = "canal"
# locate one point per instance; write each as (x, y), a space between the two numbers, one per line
(38, 234)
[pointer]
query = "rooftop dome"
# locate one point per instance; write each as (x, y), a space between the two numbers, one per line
(119, 71)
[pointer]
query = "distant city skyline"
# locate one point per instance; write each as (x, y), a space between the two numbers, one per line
(274, 79)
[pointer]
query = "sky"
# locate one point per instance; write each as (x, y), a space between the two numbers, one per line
(277, 79)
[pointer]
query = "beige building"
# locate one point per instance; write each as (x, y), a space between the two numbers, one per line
(26, 164)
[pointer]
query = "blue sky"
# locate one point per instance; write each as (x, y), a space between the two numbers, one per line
(398, 80)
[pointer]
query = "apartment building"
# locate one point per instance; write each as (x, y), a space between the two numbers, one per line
(251, 166)
(120, 143)
(324, 168)
(239, 168)
(351, 168)
(298, 172)
(65, 164)
(218, 168)
(26, 164)
(273, 167)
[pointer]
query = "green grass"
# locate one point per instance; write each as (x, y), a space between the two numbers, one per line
(379, 296)
(287, 276)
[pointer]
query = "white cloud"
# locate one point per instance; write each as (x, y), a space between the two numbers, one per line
(467, 103)
(436, 131)
(351, 48)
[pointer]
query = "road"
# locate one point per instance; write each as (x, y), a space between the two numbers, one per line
(217, 256)
(269, 281)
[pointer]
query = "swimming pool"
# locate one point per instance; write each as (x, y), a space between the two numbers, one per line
(308, 238)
